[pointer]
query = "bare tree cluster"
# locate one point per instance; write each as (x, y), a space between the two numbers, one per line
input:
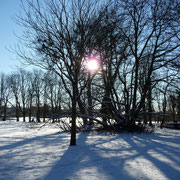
(32, 95)
(136, 43)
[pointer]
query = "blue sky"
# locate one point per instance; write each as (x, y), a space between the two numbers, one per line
(8, 9)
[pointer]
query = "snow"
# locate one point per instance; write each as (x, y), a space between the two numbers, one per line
(28, 152)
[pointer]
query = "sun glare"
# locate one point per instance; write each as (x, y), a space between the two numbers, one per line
(92, 65)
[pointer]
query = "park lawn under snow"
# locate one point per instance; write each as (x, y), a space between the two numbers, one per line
(28, 153)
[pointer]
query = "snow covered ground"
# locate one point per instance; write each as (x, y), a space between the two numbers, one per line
(27, 153)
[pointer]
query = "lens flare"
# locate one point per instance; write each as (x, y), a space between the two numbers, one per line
(92, 65)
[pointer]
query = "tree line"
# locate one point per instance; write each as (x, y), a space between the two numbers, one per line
(136, 43)
(30, 94)
(41, 94)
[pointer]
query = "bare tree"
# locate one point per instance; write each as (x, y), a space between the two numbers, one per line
(30, 93)
(144, 41)
(38, 92)
(23, 75)
(152, 30)
(15, 87)
(59, 33)
(53, 95)
(127, 35)
(5, 94)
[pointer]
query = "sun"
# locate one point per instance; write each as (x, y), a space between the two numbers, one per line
(92, 65)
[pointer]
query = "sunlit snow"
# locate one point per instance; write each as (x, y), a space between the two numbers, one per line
(29, 153)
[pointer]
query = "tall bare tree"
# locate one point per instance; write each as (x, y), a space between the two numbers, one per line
(15, 87)
(152, 30)
(6, 94)
(133, 38)
(59, 34)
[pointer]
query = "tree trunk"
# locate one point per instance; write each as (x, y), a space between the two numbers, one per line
(164, 111)
(5, 112)
(17, 112)
(30, 114)
(82, 111)
(144, 115)
(38, 110)
(89, 95)
(150, 104)
(44, 112)
(24, 114)
(73, 121)
(30, 109)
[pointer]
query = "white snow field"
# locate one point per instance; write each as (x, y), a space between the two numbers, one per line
(27, 153)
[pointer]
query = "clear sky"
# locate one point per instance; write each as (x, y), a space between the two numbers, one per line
(8, 9)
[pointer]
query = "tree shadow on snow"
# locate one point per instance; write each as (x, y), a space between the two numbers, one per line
(16, 157)
(24, 141)
(96, 156)
(164, 157)
(100, 161)
(82, 162)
